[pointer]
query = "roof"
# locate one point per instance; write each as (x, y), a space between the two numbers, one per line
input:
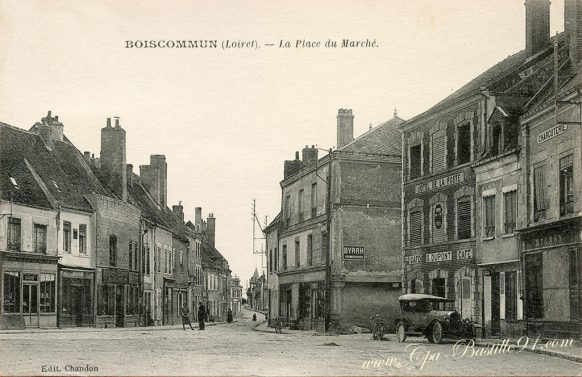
(273, 224)
(383, 139)
(420, 296)
(45, 178)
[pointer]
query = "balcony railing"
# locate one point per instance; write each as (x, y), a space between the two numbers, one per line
(566, 207)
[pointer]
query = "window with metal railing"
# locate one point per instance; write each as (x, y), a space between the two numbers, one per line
(566, 185)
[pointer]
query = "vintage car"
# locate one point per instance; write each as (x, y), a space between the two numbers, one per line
(433, 317)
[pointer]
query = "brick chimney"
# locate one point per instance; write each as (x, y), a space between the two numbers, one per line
(537, 25)
(573, 29)
(112, 158)
(291, 166)
(129, 173)
(179, 211)
(154, 178)
(198, 217)
(345, 127)
(309, 155)
(159, 160)
(211, 228)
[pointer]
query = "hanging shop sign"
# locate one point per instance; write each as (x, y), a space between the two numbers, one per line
(353, 252)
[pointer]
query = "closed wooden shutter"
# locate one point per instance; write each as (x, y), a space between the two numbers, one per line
(438, 152)
(489, 207)
(539, 192)
(464, 218)
(415, 161)
(415, 229)
(510, 211)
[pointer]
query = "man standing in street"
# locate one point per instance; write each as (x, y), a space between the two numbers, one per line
(201, 316)
(185, 313)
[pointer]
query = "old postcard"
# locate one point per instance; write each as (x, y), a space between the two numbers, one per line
(308, 188)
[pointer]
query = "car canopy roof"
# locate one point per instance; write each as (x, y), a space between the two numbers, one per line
(420, 296)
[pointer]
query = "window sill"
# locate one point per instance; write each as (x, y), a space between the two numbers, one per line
(488, 238)
(508, 235)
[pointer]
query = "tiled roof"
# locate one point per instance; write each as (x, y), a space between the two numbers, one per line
(62, 176)
(382, 139)
(273, 223)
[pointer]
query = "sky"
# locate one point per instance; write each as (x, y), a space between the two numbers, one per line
(226, 119)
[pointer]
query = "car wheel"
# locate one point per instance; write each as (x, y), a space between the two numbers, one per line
(436, 333)
(401, 332)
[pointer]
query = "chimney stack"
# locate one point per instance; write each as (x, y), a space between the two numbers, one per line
(198, 217)
(309, 155)
(129, 168)
(291, 166)
(211, 229)
(112, 159)
(345, 127)
(154, 178)
(159, 161)
(537, 25)
(179, 211)
(573, 30)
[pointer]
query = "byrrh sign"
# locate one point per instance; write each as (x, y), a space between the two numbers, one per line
(353, 252)
(440, 182)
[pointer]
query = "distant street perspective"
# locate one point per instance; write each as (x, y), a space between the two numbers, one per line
(238, 349)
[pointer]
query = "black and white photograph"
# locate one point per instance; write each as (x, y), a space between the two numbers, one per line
(302, 188)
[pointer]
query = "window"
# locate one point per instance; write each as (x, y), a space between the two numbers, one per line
(464, 144)
(286, 213)
(509, 211)
(310, 250)
(511, 295)
(146, 259)
(415, 161)
(489, 216)
(132, 299)
(297, 253)
(300, 205)
(566, 185)
(438, 287)
(464, 218)
(415, 228)
(82, 239)
(497, 142)
(130, 255)
(14, 231)
(113, 250)
(39, 240)
(534, 286)
(284, 257)
(47, 293)
(439, 151)
(539, 193)
(66, 236)
(11, 292)
(313, 199)
(106, 300)
(276, 263)
(181, 261)
(270, 260)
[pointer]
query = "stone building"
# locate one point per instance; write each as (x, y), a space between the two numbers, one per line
(462, 184)
(338, 248)
(272, 248)
(236, 296)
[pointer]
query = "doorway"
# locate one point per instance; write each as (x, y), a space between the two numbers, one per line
(30, 304)
(495, 305)
(77, 296)
(119, 306)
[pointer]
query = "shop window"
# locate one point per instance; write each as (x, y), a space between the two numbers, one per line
(509, 211)
(309, 250)
(284, 257)
(534, 286)
(297, 253)
(66, 236)
(112, 250)
(566, 185)
(438, 287)
(83, 239)
(47, 293)
(11, 292)
(511, 295)
(464, 144)
(300, 205)
(14, 233)
(39, 238)
(574, 282)
(464, 218)
(489, 216)
(539, 193)
(106, 300)
(415, 229)
(313, 199)
(439, 151)
(132, 301)
(415, 161)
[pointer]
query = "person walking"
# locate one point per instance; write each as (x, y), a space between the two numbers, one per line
(201, 316)
(229, 316)
(185, 313)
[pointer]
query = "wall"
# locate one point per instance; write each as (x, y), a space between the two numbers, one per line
(380, 299)
(28, 217)
(74, 258)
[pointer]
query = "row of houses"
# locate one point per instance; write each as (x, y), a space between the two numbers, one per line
(476, 199)
(85, 241)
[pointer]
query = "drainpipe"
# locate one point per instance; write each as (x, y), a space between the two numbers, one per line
(328, 253)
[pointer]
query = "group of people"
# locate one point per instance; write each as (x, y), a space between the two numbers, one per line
(185, 313)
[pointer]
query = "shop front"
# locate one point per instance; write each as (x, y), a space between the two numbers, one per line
(118, 298)
(76, 297)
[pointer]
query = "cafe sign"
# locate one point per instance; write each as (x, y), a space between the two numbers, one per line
(443, 256)
(353, 252)
(440, 182)
(552, 132)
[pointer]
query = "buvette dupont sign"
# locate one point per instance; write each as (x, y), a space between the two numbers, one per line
(353, 252)
(552, 132)
(440, 182)
(440, 256)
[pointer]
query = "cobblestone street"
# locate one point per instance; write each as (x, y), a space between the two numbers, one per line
(236, 349)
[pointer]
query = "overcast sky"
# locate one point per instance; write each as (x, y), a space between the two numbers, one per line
(227, 119)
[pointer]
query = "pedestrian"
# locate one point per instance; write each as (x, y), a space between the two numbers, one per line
(254, 316)
(229, 316)
(201, 316)
(185, 313)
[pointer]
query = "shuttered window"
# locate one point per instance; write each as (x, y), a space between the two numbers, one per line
(539, 193)
(566, 185)
(489, 216)
(438, 152)
(415, 228)
(464, 218)
(464, 144)
(510, 211)
(415, 161)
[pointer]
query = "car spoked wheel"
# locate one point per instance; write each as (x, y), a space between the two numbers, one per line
(401, 332)
(436, 333)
